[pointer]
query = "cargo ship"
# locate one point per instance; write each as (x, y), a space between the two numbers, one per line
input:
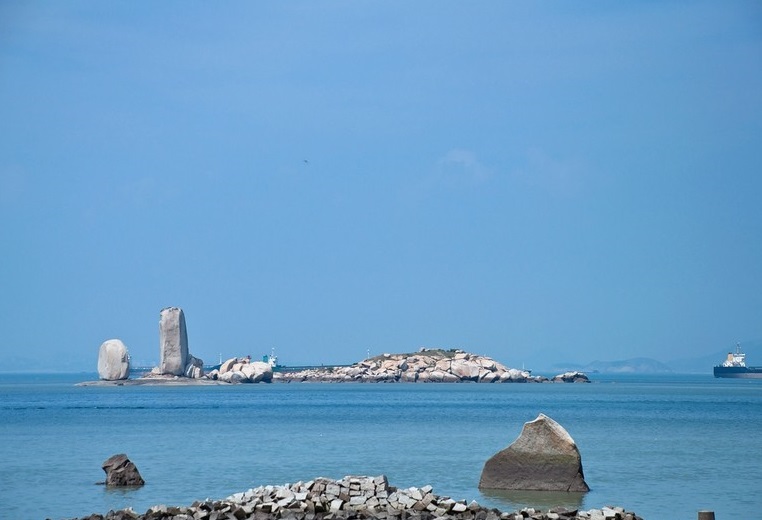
(735, 366)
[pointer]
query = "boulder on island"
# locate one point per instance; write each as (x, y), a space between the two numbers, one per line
(543, 458)
(173, 342)
(120, 471)
(113, 361)
(243, 370)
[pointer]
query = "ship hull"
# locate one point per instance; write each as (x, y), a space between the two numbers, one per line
(738, 372)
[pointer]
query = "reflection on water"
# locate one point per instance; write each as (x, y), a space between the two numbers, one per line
(121, 491)
(516, 500)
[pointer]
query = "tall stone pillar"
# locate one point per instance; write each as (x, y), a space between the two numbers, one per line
(173, 342)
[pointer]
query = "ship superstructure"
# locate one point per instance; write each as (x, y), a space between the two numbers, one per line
(735, 366)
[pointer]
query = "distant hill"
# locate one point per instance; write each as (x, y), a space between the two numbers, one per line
(625, 366)
(694, 365)
(639, 365)
(697, 365)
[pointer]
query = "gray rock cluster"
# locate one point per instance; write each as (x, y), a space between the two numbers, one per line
(571, 377)
(113, 361)
(543, 458)
(425, 366)
(351, 497)
(242, 370)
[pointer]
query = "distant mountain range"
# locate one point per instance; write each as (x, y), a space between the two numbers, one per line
(639, 365)
(642, 365)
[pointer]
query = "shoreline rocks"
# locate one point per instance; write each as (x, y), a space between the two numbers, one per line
(357, 497)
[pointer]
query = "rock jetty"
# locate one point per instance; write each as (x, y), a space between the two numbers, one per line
(543, 458)
(425, 366)
(355, 497)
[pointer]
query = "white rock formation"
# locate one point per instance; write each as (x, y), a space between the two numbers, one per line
(113, 361)
(173, 342)
(227, 366)
(243, 370)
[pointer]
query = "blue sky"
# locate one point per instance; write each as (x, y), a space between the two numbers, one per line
(534, 181)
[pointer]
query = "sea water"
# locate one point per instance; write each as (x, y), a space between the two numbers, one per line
(662, 446)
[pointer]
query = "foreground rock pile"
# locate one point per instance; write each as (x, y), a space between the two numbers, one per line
(350, 497)
(426, 366)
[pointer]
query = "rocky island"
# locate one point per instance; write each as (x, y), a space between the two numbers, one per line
(426, 366)
(178, 366)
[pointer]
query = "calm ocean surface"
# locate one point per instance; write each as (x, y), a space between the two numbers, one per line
(664, 447)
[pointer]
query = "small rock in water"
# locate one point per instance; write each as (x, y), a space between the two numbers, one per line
(121, 471)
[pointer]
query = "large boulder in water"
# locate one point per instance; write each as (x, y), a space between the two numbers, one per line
(113, 361)
(120, 471)
(543, 458)
(173, 342)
